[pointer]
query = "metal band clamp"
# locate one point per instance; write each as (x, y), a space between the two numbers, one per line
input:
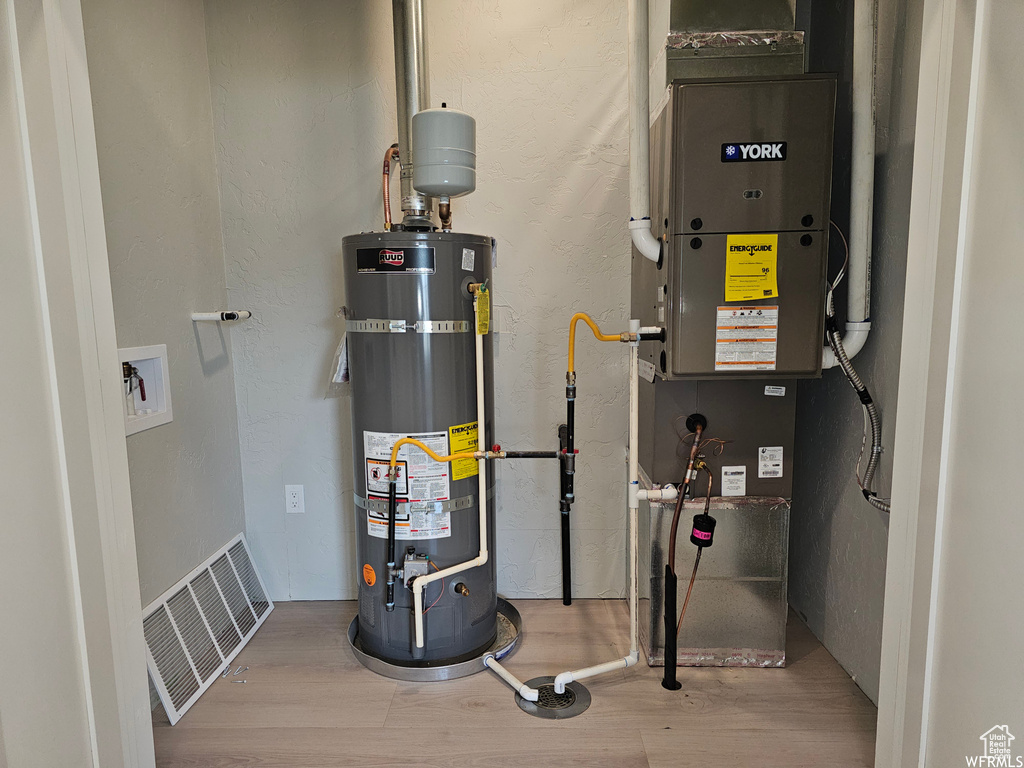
(401, 326)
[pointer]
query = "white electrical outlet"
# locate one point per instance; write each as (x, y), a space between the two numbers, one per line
(294, 504)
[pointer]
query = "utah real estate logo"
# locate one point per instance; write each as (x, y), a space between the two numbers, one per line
(997, 751)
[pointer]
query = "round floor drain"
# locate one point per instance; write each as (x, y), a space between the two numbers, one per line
(554, 706)
(548, 699)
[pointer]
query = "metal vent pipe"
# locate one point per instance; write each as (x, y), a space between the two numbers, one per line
(412, 91)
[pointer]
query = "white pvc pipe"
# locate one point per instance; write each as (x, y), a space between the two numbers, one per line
(421, 582)
(634, 503)
(668, 493)
(639, 132)
(223, 315)
(862, 183)
(528, 693)
(634, 540)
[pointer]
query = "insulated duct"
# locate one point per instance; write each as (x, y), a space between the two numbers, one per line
(412, 92)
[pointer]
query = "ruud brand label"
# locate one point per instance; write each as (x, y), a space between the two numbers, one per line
(416, 261)
(739, 152)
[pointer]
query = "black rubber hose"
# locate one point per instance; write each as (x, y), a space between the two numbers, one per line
(389, 605)
(669, 681)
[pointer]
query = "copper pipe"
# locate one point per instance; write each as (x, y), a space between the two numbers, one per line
(391, 156)
(693, 576)
(689, 590)
(682, 495)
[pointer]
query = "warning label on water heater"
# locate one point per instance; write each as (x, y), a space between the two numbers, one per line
(746, 338)
(422, 484)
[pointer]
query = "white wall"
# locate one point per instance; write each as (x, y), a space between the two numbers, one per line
(41, 662)
(303, 110)
(838, 542)
(154, 131)
(976, 678)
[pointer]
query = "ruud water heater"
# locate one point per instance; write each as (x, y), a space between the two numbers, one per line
(741, 179)
(410, 336)
(420, 365)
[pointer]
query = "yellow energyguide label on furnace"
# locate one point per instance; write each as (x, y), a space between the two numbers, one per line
(463, 438)
(751, 264)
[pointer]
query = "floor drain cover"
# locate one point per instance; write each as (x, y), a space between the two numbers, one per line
(551, 705)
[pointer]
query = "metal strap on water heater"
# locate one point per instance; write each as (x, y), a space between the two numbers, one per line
(451, 505)
(401, 326)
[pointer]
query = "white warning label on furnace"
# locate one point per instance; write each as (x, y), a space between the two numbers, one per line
(746, 338)
(734, 481)
(646, 370)
(422, 482)
(769, 461)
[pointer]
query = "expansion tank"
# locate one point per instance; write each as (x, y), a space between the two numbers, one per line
(410, 336)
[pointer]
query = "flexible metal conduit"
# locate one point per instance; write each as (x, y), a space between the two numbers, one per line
(870, 410)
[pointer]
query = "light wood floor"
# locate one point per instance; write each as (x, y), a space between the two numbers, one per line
(308, 702)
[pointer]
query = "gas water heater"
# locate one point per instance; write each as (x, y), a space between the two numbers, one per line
(410, 334)
(420, 365)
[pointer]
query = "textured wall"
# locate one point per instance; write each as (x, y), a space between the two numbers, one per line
(154, 131)
(304, 108)
(838, 543)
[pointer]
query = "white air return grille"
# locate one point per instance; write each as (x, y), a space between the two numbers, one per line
(198, 626)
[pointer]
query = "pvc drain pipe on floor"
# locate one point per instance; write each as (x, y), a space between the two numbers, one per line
(528, 693)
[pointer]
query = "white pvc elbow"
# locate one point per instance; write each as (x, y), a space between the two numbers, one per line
(561, 681)
(644, 240)
(854, 339)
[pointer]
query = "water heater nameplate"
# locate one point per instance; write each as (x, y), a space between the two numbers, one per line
(413, 261)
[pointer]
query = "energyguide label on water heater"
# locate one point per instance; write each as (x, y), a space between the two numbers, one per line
(463, 438)
(746, 338)
(422, 484)
(751, 264)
